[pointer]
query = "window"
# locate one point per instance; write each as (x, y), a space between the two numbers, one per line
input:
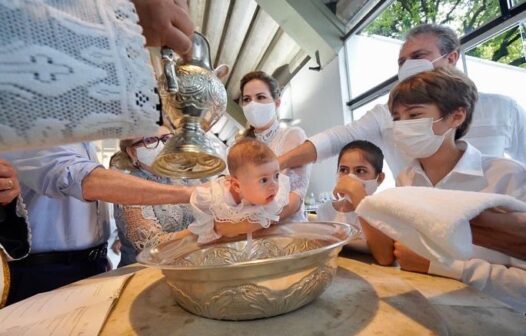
(497, 65)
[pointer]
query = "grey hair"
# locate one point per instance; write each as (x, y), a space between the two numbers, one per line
(447, 38)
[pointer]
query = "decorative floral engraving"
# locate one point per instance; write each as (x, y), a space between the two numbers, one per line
(250, 301)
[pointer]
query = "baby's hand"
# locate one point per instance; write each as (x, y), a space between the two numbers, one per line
(350, 186)
(230, 229)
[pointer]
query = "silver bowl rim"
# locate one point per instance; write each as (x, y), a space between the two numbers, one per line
(347, 227)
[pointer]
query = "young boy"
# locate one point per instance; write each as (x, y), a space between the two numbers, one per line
(253, 196)
(359, 172)
(431, 112)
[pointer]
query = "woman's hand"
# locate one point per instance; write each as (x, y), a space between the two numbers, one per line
(352, 187)
(409, 260)
(166, 23)
(230, 229)
(9, 186)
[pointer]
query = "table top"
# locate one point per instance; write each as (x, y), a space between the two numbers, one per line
(364, 299)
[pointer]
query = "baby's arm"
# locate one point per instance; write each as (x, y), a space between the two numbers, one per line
(231, 229)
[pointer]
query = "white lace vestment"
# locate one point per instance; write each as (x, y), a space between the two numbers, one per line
(73, 71)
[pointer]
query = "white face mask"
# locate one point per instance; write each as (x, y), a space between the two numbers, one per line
(412, 67)
(147, 156)
(259, 115)
(416, 139)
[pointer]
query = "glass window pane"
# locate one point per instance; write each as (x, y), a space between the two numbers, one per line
(499, 64)
(515, 3)
(462, 16)
(370, 60)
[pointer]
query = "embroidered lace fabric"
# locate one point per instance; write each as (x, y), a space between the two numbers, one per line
(215, 203)
(147, 226)
(73, 71)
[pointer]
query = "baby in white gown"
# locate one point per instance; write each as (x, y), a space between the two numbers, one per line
(255, 192)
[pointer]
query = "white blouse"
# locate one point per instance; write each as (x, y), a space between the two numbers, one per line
(216, 203)
(281, 140)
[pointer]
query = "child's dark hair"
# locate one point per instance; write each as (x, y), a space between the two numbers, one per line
(371, 152)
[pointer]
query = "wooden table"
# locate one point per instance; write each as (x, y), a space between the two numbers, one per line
(364, 299)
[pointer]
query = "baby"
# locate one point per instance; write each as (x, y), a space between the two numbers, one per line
(255, 192)
(359, 174)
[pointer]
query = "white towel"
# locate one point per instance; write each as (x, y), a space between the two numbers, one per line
(434, 223)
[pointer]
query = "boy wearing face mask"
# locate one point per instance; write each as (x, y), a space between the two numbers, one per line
(431, 112)
(359, 174)
(497, 126)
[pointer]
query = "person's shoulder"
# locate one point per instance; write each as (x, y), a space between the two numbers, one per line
(492, 100)
(294, 132)
(502, 166)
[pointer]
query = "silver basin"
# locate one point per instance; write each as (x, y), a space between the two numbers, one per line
(288, 266)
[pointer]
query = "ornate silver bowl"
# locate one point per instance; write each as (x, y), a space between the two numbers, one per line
(284, 268)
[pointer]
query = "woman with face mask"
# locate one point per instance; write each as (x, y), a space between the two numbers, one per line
(144, 226)
(431, 113)
(260, 100)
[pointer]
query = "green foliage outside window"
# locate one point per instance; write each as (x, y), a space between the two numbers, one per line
(462, 16)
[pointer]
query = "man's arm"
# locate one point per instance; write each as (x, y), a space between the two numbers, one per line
(329, 142)
(503, 232)
(116, 187)
(299, 156)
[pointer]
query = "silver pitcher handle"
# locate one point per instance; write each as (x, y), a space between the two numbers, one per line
(169, 70)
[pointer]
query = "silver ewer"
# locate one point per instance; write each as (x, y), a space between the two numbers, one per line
(193, 99)
(288, 266)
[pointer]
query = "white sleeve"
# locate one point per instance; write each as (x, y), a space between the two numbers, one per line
(203, 224)
(329, 143)
(517, 148)
(300, 176)
(508, 284)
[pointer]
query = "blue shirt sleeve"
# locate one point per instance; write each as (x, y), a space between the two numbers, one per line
(55, 172)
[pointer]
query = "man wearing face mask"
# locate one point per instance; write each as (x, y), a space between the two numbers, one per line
(62, 188)
(498, 125)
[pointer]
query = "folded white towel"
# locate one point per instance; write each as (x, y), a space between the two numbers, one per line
(434, 223)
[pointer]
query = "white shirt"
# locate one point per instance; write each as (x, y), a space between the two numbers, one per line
(473, 172)
(327, 213)
(498, 126)
(51, 183)
(477, 172)
(281, 140)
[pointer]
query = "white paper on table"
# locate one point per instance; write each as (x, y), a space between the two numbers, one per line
(77, 309)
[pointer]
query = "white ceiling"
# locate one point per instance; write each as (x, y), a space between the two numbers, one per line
(245, 38)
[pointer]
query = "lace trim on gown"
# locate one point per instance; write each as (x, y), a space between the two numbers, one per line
(215, 203)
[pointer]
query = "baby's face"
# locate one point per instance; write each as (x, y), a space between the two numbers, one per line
(259, 184)
(354, 162)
